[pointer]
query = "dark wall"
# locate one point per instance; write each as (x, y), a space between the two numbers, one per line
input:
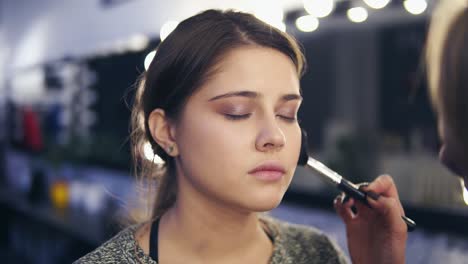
(317, 87)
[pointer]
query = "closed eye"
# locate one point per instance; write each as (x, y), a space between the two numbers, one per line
(237, 117)
(287, 118)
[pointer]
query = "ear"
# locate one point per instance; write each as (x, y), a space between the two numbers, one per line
(163, 131)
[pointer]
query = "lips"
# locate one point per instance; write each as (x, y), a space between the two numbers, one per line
(268, 171)
(268, 166)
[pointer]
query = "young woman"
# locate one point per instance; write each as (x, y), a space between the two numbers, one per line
(219, 105)
(447, 63)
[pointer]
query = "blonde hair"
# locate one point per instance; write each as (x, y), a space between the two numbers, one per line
(447, 63)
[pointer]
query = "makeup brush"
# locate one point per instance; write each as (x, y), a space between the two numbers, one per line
(349, 188)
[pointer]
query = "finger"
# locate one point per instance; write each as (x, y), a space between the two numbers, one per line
(364, 211)
(389, 209)
(384, 185)
(371, 196)
(343, 209)
(369, 193)
(344, 198)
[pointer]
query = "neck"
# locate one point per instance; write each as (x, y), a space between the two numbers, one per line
(209, 230)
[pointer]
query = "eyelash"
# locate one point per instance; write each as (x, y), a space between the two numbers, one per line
(240, 117)
(237, 117)
(289, 119)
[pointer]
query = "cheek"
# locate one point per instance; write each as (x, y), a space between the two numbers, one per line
(451, 156)
(209, 141)
(293, 146)
(210, 148)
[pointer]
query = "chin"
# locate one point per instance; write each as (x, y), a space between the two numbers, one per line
(263, 202)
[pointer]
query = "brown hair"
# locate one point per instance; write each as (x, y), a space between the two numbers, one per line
(447, 63)
(183, 61)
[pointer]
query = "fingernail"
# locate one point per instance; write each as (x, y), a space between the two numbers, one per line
(345, 199)
(337, 199)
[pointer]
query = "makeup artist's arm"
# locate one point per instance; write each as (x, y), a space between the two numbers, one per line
(376, 235)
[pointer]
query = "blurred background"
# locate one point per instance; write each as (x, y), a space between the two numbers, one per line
(67, 73)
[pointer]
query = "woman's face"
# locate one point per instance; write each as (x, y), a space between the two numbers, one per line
(451, 153)
(243, 117)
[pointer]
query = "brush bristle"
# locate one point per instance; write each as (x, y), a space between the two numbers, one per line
(304, 155)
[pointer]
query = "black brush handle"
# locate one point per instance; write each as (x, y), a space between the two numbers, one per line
(360, 195)
(351, 191)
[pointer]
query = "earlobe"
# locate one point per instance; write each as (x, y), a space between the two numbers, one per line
(162, 131)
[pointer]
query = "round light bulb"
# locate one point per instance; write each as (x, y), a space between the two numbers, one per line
(307, 23)
(319, 8)
(150, 155)
(377, 4)
(357, 14)
(149, 58)
(167, 28)
(415, 7)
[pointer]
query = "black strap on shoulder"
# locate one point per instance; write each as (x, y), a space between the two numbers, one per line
(153, 241)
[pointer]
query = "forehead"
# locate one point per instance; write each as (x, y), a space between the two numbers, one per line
(259, 69)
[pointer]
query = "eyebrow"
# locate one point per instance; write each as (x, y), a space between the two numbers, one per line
(253, 95)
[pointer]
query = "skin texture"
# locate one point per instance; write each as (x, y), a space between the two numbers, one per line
(219, 138)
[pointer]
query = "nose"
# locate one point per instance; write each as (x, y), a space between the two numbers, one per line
(270, 137)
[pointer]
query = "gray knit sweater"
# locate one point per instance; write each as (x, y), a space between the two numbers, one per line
(293, 244)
